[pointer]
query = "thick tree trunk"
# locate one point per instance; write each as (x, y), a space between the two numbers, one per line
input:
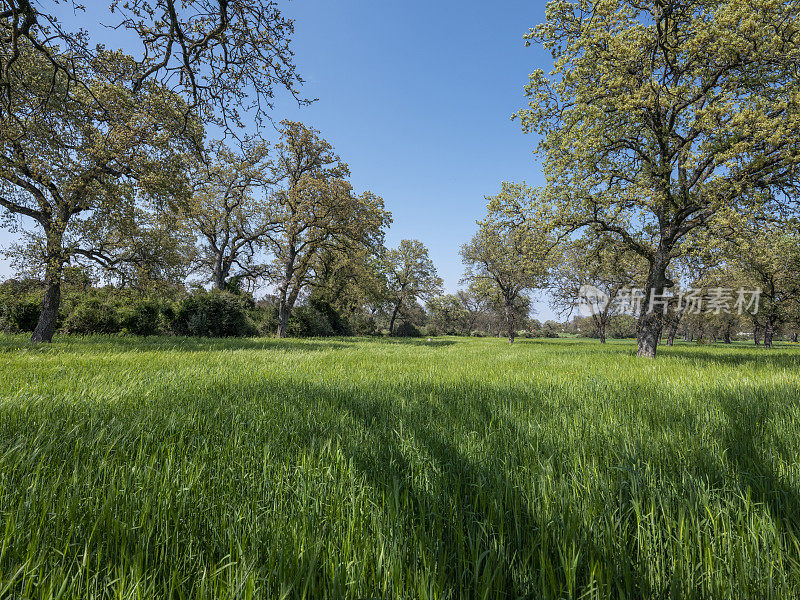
(220, 279)
(283, 318)
(286, 299)
(48, 318)
(510, 323)
(794, 337)
(394, 317)
(652, 321)
(602, 333)
(726, 337)
(769, 332)
(756, 335)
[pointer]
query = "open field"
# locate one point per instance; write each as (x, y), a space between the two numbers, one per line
(461, 468)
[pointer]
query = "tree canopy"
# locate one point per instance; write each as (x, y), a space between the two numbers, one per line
(662, 116)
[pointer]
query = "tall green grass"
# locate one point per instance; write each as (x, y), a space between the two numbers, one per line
(177, 468)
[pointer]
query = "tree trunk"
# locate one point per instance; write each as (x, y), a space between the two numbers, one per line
(726, 336)
(651, 321)
(794, 337)
(286, 301)
(283, 318)
(510, 323)
(221, 273)
(673, 330)
(48, 318)
(602, 333)
(756, 335)
(671, 336)
(769, 331)
(394, 316)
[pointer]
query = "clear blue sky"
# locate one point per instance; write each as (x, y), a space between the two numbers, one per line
(417, 98)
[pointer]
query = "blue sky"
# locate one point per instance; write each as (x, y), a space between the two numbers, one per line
(417, 98)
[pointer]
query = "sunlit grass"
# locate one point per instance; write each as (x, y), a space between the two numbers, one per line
(460, 468)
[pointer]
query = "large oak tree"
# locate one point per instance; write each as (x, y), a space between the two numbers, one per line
(68, 153)
(313, 210)
(659, 115)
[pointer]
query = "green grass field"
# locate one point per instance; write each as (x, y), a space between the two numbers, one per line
(460, 468)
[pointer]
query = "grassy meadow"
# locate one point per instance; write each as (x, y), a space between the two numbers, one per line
(459, 468)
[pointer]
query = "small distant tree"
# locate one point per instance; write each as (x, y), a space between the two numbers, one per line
(448, 315)
(507, 257)
(768, 257)
(477, 309)
(600, 262)
(410, 276)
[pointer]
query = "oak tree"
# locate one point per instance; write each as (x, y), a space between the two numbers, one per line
(410, 276)
(86, 156)
(313, 209)
(509, 256)
(659, 115)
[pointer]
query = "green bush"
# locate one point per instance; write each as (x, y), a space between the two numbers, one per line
(25, 313)
(93, 315)
(142, 317)
(307, 321)
(213, 314)
(406, 329)
(363, 325)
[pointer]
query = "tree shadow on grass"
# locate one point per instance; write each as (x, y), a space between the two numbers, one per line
(407, 341)
(748, 425)
(444, 463)
(783, 358)
(104, 343)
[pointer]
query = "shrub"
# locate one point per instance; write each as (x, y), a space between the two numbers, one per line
(142, 317)
(337, 322)
(307, 321)
(363, 325)
(93, 315)
(213, 314)
(406, 329)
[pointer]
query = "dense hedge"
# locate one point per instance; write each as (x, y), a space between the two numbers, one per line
(87, 310)
(214, 314)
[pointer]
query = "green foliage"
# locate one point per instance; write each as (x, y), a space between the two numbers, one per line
(213, 314)
(93, 315)
(509, 255)
(407, 329)
(308, 321)
(448, 316)
(142, 317)
(622, 327)
(660, 119)
(20, 313)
